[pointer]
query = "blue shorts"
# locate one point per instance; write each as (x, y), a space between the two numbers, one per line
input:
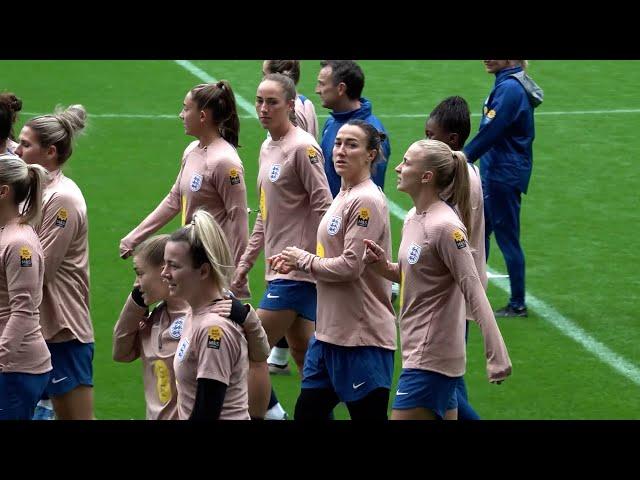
(352, 372)
(72, 366)
(426, 389)
(291, 295)
(20, 393)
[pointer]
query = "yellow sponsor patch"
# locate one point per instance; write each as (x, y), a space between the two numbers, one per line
(320, 250)
(363, 217)
(263, 205)
(491, 114)
(458, 237)
(25, 257)
(234, 176)
(312, 154)
(214, 337)
(61, 217)
(163, 381)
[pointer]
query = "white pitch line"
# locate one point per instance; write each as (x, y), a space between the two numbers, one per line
(249, 108)
(555, 318)
(205, 77)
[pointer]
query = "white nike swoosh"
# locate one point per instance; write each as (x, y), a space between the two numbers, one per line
(401, 393)
(58, 380)
(355, 387)
(272, 296)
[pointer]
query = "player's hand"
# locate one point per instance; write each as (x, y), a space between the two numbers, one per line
(239, 282)
(291, 255)
(498, 371)
(373, 253)
(222, 307)
(277, 264)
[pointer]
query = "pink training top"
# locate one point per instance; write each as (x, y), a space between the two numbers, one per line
(437, 275)
(294, 195)
(22, 346)
(476, 242)
(154, 339)
(212, 347)
(306, 116)
(64, 234)
(211, 177)
(354, 303)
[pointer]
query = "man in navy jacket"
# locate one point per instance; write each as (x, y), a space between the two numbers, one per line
(504, 146)
(340, 84)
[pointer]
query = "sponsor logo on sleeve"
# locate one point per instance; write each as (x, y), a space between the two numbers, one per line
(61, 217)
(334, 225)
(25, 257)
(413, 254)
(363, 217)
(274, 174)
(214, 337)
(458, 237)
(234, 176)
(196, 182)
(313, 155)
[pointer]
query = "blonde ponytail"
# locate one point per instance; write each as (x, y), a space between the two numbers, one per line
(460, 195)
(27, 182)
(207, 244)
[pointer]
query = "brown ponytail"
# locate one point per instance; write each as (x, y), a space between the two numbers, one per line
(219, 99)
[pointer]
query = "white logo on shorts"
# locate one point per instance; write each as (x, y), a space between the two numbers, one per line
(272, 296)
(58, 380)
(355, 387)
(398, 392)
(176, 328)
(274, 174)
(182, 349)
(196, 182)
(334, 225)
(413, 253)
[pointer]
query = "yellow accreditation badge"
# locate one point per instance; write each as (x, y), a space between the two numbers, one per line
(263, 205)
(320, 250)
(163, 381)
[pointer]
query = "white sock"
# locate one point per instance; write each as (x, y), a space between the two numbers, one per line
(275, 413)
(46, 404)
(279, 356)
